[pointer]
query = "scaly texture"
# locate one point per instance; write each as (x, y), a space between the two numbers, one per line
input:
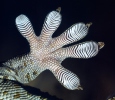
(47, 53)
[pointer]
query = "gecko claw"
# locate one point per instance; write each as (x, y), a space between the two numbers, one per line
(101, 45)
(58, 9)
(89, 24)
(80, 88)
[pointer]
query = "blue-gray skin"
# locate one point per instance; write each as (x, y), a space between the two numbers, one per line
(46, 53)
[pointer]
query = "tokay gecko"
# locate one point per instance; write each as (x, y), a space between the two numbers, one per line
(46, 53)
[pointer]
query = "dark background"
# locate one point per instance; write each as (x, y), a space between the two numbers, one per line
(97, 74)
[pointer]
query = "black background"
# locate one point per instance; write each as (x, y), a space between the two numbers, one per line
(97, 74)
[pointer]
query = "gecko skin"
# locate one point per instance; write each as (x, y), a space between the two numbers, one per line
(46, 53)
(113, 98)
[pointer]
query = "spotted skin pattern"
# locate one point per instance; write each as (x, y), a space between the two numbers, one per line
(46, 53)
